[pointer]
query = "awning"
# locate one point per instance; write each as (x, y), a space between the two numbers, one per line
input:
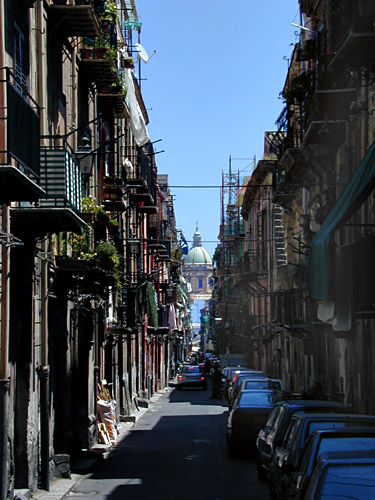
(355, 193)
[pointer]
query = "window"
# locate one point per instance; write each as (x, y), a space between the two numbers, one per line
(20, 58)
(200, 284)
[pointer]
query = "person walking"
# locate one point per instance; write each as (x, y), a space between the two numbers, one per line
(216, 383)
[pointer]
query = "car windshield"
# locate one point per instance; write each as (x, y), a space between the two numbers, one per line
(349, 481)
(255, 399)
(191, 369)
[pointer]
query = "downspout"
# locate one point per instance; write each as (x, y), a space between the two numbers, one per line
(4, 332)
(44, 368)
(4, 380)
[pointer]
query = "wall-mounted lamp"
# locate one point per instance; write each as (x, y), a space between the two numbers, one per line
(133, 243)
(86, 158)
(155, 274)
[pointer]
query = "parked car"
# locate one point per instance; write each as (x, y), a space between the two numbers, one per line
(249, 413)
(337, 476)
(239, 375)
(271, 435)
(286, 456)
(229, 374)
(321, 441)
(191, 376)
(277, 384)
(254, 382)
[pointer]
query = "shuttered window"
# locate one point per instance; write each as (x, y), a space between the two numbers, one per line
(20, 59)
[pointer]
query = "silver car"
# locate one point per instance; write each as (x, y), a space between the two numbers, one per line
(191, 376)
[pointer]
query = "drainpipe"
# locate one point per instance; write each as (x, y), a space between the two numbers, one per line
(4, 380)
(4, 332)
(44, 368)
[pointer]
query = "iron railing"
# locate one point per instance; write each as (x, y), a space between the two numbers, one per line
(60, 175)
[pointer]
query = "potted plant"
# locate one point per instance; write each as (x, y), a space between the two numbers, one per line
(87, 49)
(101, 46)
(97, 212)
(110, 12)
(113, 226)
(111, 53)
(119, 87)
(128, 62)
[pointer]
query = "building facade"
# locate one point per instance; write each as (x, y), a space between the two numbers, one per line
(91, 280)
(296, 287)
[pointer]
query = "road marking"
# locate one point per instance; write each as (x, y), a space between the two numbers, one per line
(191, 457)
(202, 441)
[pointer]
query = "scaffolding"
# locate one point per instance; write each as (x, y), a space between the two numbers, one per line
(232, 226)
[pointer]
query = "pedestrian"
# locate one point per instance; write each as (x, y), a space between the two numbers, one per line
(216, 383)
(207, 367)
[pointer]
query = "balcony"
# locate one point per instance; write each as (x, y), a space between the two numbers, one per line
(60, 204)
(78, 19)
(60, 176)
(101, 71)
(113, 191)
(353, 37)
(21, 175)
(144, 180)
(116, 101)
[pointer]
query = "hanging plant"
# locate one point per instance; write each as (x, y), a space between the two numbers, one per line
(128, 62)
(298, 88)
(110, 12)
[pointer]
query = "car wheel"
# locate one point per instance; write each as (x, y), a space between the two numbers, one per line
(179, 387)
(204, 387)
(273, 492)
(231, 448)
(261, 472)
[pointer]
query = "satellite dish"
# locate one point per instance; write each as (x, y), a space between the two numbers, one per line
(141, 52)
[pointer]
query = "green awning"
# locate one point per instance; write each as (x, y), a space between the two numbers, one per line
(355, 193)
(152, 306)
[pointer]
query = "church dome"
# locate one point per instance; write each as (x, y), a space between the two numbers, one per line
(197, 254)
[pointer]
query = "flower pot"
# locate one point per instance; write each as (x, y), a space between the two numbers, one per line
(87, 216)
(105, 25)
(99, 52)
(86, 53)
(116, 89)
(113, 228)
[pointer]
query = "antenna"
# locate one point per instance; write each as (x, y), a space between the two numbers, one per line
(142, 52)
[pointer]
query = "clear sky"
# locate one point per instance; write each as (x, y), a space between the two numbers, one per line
(211, 90)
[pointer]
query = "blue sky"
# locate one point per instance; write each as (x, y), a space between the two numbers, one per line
(211, 91)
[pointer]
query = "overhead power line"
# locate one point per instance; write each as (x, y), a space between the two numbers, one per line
(214, 186)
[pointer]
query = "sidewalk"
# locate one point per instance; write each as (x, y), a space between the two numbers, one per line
(60, 487)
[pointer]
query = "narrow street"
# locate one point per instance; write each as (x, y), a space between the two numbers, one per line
(177, 450)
